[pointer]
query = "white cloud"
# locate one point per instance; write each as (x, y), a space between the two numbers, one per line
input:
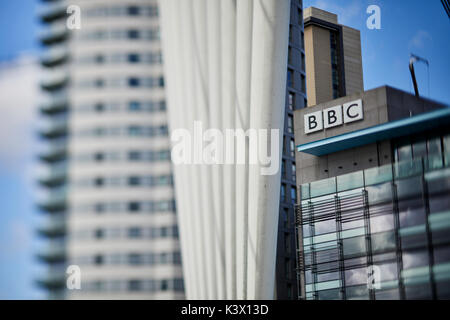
(419, 40)
(19, 94)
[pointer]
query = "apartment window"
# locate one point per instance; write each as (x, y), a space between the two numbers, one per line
(99, 207)
(164, 285)
(286, 217)
(283, 192)
(133, 82)
(133, 34)
(287, 266)
(134, 259)
(291, 101)
(134, 155)
(99, 157)
(303, 82)
(293, 195)
(98, 182)
(134, 106)
(134, 181)
(299, 16)
(133, 57)
(178, 284)
(292, 147)
(290, 78)
(134, 232)
(134, 285)
(133, 11)
(303, 61)
(99, 234)
(283, 169)
(99, 83)
(290, 124)
(302, 43)
(135, 131)
(293, 171)
(99, 59)
(134, 206)
(99, 107)
(161, 82)
(98, 259)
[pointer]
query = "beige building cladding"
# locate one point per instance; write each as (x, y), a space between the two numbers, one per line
(333, 57)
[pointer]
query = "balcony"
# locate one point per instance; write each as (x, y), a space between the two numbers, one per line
(54, 153)
(52, 129)
(54, 227)
(54, 106)
(54, 252)
(55, 201)
(53, 176)
(55, 81)
(55, 56)
(52, 281)
(55, 34)
(53, 11)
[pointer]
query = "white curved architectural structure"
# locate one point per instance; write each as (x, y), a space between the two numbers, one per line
(225, 65)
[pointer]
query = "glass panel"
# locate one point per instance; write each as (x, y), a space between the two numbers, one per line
(446, 141)
(392, 294)
(434, 147)
(356, 276)
(383, 241)
(443, 290)
(380, 193)
(326, 226)
(323, 187)
(328, 276)
(378, 174)
(305, 191)
(381, 223)
(418, 292)
(408, 168)
(411, 212)
(433, 162)
(329, 294)
(411, 187)
(388, 272)
(419, 149)
(354, 246)
(350, 181)
(404, 152)
(413, 237)
(357, 293)
(414, 259)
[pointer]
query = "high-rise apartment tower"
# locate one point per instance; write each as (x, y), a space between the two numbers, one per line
(109, 190)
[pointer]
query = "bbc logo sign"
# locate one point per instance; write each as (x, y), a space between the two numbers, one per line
(334, 116)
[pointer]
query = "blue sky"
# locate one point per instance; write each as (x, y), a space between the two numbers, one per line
(413, 26)
(406, 27)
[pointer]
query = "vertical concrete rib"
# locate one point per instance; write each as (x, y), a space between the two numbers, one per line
(244, 24)
(228, 37)
(268, 85)
(215, 106)
(177, 114)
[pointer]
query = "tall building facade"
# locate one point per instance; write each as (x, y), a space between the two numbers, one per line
(286, 284)
(110, 201)
(373, 217)
(333, 57)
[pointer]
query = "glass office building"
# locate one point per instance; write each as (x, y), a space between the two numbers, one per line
(382, 232)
